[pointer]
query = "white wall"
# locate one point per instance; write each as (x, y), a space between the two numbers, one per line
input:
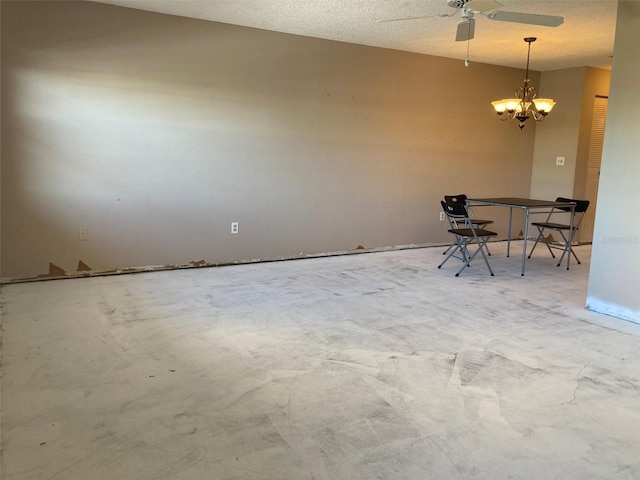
(615, 260)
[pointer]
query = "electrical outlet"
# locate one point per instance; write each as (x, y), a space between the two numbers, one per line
(560, 161)
(442, 216)
(234, 227)
(83, 233)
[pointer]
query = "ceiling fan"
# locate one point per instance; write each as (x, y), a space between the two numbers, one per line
(491, 10)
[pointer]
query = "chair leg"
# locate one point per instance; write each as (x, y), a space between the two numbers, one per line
(540, 230)
(575, 256)
(466, 255)
(481, 246)
(458, 246)
(486, 246)
(550, 251)
(572, 251)
(487, 249)
(569, 248)
(453, 245)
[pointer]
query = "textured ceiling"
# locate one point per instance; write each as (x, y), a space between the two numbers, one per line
(584, 39)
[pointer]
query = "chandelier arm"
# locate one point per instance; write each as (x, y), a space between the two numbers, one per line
(537, 116)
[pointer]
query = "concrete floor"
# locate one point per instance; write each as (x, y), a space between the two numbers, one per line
(373, 366)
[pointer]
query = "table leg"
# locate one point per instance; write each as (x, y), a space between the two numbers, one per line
(524, 240)
(509, 231)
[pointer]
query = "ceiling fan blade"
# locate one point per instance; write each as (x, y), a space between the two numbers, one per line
(466, 30)
(402, 19)
(438, 15)
(482, 6)
(528, 18)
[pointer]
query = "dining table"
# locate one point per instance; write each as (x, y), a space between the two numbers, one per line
(527, 205)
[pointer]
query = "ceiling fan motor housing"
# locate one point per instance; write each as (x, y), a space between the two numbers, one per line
(457, 3)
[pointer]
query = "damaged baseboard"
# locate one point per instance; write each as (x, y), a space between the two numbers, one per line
(84, 271)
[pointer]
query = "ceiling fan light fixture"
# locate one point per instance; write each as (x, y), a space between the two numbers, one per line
(526, 105)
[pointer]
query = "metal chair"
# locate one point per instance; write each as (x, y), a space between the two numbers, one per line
(561, 228)
(461, 199)
(465, 233)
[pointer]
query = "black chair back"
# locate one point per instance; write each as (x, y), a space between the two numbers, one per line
(462, 198)
(454, 210)
(581, 205)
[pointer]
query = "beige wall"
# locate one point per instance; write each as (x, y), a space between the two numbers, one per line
(0, 153)
(615, 259)
(574, 89)
(156, 132)
(560, 138)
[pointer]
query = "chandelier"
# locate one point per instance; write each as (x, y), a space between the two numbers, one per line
(526, 105)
